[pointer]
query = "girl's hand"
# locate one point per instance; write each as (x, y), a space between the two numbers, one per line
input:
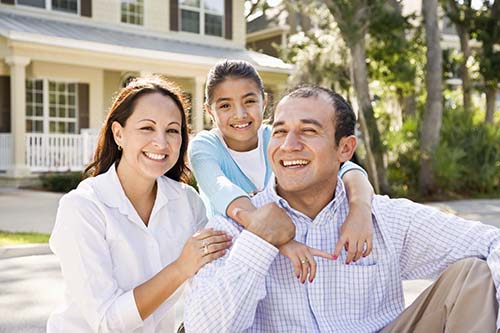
(201, 248)
(356, 234)
(302, 258)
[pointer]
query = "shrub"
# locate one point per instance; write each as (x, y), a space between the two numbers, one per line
(60, 181)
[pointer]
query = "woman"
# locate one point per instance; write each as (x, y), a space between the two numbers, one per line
(230, 162)
(127, 237)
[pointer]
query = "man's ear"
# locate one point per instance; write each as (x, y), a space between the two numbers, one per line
(117, 130)
(347, 147)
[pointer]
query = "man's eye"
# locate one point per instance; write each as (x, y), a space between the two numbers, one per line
(146, 128)
(309, 130)
(250, 101)
(278, 131)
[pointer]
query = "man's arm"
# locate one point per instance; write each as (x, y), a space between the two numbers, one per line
(225, 293)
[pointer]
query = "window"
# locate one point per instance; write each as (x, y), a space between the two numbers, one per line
(132, 11)
(67, 6)
(51, 107)
(204, 17)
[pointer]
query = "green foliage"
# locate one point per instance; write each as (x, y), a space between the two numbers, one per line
(16, 238)
(468, 157)
(60, 181)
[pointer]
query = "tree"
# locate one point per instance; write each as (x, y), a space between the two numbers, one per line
(487, 31)
(433, 113)
(353, 19)
(461, 14)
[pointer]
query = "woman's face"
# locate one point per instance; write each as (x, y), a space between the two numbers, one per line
(236, 107)
(151, 138)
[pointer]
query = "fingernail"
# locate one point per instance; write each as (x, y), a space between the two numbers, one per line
(303, 281)
(347, 263)
(335, 257)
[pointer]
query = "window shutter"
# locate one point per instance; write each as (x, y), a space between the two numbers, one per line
(8, 2)
(4, 104)
(86, 8)
(228, 19)
(174, 15)
(83, 105)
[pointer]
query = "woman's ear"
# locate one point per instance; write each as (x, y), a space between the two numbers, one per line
(117, 130)
(347, 147)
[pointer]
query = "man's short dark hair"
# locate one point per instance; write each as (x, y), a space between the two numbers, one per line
(345, 119)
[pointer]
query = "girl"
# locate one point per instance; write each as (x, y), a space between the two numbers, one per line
(123, 237)
(230, 163)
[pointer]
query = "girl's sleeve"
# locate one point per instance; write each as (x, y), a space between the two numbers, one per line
(349, 166)
(206, 165)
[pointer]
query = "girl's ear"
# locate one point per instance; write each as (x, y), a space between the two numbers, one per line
(208, 109)
(117, 130)
(347, 147)
(264, 101)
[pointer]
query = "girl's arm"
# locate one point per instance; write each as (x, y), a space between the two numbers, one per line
(356, 234)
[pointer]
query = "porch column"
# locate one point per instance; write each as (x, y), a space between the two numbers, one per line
(18, 115)
(197, 104)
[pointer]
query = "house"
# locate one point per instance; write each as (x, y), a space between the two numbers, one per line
(61, 61)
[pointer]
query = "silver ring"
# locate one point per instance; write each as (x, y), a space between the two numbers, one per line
(304, 261)
(205, 247)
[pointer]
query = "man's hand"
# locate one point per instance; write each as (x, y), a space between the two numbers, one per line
(270, 223)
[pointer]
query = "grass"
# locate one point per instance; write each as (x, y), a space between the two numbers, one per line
(16, 238)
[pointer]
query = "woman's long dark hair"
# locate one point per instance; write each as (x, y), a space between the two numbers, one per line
(107, 151)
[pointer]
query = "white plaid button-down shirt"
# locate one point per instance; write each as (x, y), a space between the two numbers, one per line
(253, 288)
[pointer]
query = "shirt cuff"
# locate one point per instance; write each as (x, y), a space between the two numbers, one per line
(252, 251)
(126, 312)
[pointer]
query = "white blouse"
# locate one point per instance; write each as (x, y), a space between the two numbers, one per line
(105, 251)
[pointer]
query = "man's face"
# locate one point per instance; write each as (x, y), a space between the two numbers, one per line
(302, 148)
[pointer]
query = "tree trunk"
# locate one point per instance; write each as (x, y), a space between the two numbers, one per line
(433, 106)
(370, 130)
(408, 104)
(464, 71)
(491, 94)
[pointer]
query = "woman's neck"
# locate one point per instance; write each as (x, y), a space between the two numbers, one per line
(141, 191)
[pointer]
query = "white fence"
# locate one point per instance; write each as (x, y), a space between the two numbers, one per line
(52, 152)
(5, 149)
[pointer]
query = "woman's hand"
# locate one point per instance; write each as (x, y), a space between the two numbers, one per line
(356, 234)
(302, 258)
(201, 248)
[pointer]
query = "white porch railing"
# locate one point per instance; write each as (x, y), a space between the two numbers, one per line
(51, 152)
(59, 152)
(5, 149)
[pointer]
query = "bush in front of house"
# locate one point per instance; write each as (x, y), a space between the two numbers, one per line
(60, 181)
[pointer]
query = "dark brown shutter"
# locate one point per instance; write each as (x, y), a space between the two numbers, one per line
(228, 19)
(83, 105)
(8, 2)
(174, 15)
(4, 104)
(86, 8)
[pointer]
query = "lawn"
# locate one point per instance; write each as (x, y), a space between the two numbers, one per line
(16, 238)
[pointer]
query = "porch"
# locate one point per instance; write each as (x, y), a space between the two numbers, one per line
(50, 152)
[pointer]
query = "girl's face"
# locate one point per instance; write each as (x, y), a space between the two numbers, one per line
(151, 138)
(236, 108)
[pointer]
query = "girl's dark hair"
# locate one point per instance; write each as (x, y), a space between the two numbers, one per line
(231, 69)
(107, 151)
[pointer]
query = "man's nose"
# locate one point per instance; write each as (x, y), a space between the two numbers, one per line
(292, 142)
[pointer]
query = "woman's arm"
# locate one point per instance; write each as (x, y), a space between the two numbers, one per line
(80, 242)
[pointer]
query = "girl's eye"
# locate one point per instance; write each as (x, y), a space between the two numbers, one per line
(173, 131)
(224, 106)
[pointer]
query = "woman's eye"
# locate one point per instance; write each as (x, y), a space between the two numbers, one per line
(173, 131)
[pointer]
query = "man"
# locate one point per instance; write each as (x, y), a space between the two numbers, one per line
(254, 288)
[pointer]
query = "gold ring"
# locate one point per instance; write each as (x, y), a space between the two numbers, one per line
(303, 261)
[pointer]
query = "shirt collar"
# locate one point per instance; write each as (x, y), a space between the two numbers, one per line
(339, 198)
(110, 191)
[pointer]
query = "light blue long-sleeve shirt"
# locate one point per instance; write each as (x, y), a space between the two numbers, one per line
(220, 179)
